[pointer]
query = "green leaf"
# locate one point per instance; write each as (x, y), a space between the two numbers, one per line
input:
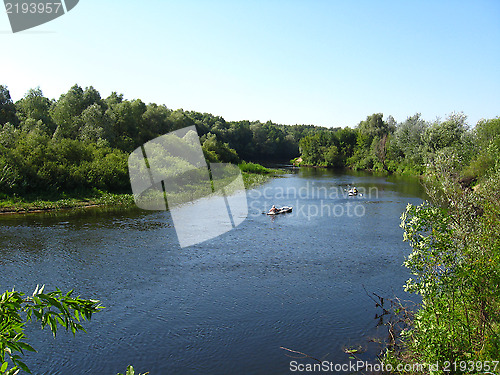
(4, 367)
(23, 366)
(53, 325)
(26, 346)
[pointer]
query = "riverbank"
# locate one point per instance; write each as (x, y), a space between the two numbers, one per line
(403, 171)
(376, 172)
(45, 203)
(253, 175)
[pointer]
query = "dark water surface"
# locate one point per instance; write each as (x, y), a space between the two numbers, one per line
(227, 305)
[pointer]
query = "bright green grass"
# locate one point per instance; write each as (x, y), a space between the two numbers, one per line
(12, 204)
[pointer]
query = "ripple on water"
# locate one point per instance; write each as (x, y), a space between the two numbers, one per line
(215, 307)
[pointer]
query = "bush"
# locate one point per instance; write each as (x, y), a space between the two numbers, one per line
(455, 265)
(253, 168)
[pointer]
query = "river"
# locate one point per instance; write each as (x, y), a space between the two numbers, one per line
(227, 305)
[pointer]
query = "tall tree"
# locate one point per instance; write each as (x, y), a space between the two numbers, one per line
(126, 118)
(35, 107)
(410, 138)
(96, 125)
(155, 122)
(67, 110)
(446, 134)
(374, 126)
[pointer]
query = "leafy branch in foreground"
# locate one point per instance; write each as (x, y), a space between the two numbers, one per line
(51, 309)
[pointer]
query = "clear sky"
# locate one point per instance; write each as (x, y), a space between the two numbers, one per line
(321, 62)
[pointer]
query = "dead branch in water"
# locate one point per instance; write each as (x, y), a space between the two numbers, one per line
(304, 355)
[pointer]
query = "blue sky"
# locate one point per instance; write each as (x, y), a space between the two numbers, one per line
(328, 63)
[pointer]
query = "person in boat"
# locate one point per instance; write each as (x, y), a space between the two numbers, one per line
(273, 209)
(354, 190)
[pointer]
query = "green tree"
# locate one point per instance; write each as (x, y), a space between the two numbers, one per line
(155, 121)
(310, 149)
(96, 125)
(446, 134)
(484, 145)
(240, 138)
(332, 157)
(410, 139)
(487, 131)
(217, 151)
(91, 96)
(180, 119)
(374, 126)
(67, 110)
(113, 99)
(9, 175)
(379, 150)
(126, 119)
(347, 142)
(34, 107)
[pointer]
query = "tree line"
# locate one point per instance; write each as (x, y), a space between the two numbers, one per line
(82, 140)
(406, 147)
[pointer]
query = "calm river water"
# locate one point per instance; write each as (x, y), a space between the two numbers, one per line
(227, 305)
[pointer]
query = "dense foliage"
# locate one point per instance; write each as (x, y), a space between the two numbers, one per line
(455, 259)
(82, 141)
(406, 147)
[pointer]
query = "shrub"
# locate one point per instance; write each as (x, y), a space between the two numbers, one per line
(253, 168)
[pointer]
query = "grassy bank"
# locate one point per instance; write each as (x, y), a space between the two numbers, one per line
(41, 203)
(256, 174)
(253, 175)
